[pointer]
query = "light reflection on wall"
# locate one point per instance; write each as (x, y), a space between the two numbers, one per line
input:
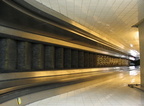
(133, 73)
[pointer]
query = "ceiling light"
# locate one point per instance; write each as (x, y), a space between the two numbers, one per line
(134, 53)
(131, 45)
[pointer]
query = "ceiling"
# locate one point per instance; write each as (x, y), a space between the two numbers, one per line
(112, 20)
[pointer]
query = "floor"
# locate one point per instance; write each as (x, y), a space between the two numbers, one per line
(109, 92)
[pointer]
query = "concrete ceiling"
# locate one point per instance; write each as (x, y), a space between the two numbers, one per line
(111, 19)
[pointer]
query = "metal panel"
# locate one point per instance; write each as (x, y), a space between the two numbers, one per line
(35, 74)
(17, 34)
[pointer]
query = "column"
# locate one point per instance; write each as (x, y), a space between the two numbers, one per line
(91, 60)
(86, 59)
(8, 55)
(24, 56)
(95, 60)
(49, 57)
(81, 59)
(74, 58)
(37, 57)
(59, 58)
(67, 58)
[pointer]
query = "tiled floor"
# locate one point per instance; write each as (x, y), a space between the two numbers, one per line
(111, 92)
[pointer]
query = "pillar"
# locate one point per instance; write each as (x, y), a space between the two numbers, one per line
(74, 58)
(49, 57)
(8, 55)
(67, 58)
(95, 60)
(91, 60)
(37, 57)
(86, 59)
(59, 58)
(24, 56)
(81, 59)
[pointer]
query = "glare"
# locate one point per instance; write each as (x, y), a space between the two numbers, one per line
(121, 75)
(133, 73)
(134, 53)
(132, 67)
(117, 68)
(131, 58)
(123, 56)
(137, 35)
(132, 80)
(131, 45)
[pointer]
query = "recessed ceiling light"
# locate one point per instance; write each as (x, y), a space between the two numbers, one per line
(131, 45)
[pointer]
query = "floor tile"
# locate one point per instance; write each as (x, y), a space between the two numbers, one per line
(111, 92)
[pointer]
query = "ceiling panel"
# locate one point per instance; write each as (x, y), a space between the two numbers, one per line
(112, 19)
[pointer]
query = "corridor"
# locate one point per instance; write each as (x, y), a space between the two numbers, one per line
(112, 91)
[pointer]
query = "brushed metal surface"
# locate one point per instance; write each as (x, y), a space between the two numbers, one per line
(35, 37)
(22, 75)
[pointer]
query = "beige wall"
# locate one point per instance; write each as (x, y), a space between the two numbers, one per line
(141, 38)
